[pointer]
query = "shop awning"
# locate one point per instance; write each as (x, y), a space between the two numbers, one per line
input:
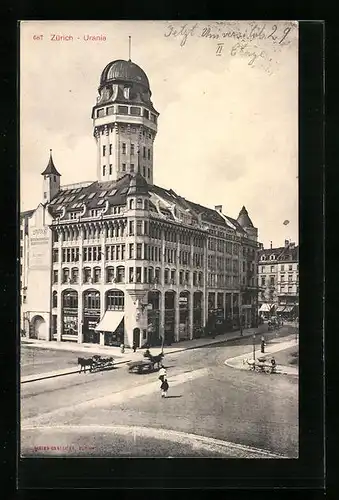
(280, 309)
(289, 309)
(110, 321)
(265, 308)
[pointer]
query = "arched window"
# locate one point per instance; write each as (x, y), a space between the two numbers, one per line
(55, 299)
(70, 299)
(120, 274)
(87, 274)
(139, 203)
(272, 257)
(146, 204)
(92, 300)
(65, 275)
(97, 274)
(110, 275)
(263, 257)
(115, 300)
(131, 204)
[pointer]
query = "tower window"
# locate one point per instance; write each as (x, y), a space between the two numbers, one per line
(144, 171)
(110, 169)
(100, 113)
(126, 93)
(132, 167)
(123, 110)
(104, 170)
(132, 149)
(135, 111)
(146, 114)
(149, 154)
(124, 167)
(144, 152)
(110, 149)
(123, 148)
(103, 150)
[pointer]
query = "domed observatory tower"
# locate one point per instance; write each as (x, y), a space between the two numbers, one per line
(125, 122)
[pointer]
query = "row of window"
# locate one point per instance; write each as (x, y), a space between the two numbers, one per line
(126, 110)
(117, 275)
(272, 279)
(115, 300)
(221, 263)
(146, 152)
(289, 267)
(222, 280)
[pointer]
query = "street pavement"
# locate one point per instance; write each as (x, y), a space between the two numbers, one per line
(207, 399)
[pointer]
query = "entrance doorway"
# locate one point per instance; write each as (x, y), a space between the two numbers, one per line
(38, 328)
(136, 337)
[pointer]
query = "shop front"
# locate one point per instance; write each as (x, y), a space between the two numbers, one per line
(91, 317)
(184, 305)
(153, 319)
(69, 316)
(169, 321)
(197, 315)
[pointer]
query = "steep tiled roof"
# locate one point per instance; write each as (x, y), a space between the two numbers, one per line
(244, 219)
(117, 191)
(50, 169)
(26, 214)
(281, 253)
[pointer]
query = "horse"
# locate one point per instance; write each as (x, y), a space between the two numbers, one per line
(83, 362)
(156, 360)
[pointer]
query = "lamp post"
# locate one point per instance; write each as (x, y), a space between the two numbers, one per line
(253, 347)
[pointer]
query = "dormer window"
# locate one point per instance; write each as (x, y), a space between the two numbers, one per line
(263, 257)
(272, 257)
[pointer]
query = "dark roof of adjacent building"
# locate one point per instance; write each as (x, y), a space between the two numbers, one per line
(26, 214)
(161, 199)
(50, 169)
(244, 219)
(287, 253)
(126, 71)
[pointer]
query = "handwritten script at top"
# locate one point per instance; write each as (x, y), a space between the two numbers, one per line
(254, 41)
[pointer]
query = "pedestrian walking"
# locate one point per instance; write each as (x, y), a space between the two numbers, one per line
(162, 373)
(134, 346)
(122, 348)
(262, 344)
(164, 388)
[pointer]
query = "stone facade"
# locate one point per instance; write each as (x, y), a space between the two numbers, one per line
(121, 260)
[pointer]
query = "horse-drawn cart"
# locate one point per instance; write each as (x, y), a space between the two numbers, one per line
(95, 363)
(100, 363)
(140, 366)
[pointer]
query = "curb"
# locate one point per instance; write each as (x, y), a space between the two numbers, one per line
(70, 372)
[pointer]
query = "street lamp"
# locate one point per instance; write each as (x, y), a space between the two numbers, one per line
(253, 347)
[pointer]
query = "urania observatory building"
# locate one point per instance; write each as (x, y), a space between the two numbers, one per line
(121, 259)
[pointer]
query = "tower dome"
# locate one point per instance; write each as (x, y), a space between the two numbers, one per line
(123, 71)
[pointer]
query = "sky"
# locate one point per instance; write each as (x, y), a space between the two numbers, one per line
(227, 94)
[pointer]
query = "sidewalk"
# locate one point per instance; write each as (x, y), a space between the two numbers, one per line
(280, 344)
(129, 355)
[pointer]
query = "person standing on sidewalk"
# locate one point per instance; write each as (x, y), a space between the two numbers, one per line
(134, 346)
(162, 373)
(262, 344)
(164, 388)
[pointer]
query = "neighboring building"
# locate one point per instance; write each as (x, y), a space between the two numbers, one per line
(123, 260)
(278, 280)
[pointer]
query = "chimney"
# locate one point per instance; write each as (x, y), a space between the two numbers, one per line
(271, 245)
(286, 243)
(218, 208)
